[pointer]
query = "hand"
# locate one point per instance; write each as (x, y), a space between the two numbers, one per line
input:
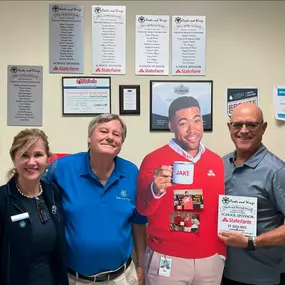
(162, 177)
(140, 275)
(234, 238)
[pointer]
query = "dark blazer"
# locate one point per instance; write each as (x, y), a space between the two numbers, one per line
(15, 241)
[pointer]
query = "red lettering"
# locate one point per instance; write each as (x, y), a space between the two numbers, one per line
(183, 172)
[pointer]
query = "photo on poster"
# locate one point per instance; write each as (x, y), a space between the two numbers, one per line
(184, 222)
(164, 92)
(238, 95)
(188, 199)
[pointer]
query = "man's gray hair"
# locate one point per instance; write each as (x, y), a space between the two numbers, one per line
(104, 118)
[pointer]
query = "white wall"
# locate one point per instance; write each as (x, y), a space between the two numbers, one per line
(245, 47)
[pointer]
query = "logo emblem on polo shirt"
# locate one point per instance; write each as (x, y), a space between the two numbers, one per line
(123, 195)
(211, 173)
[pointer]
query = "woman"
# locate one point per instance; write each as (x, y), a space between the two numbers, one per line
(32, 237)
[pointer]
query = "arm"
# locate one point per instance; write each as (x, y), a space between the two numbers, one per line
(139, 236)
(276, 236)
(151, 186)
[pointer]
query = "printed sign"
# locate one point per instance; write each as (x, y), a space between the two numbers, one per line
(152, 45)
(237, 213)
(66, 38)
(236, 96)
(25, 95)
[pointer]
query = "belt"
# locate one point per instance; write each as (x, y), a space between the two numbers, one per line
(104, 276)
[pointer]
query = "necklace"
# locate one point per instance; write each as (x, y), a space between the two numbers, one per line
(23, 194)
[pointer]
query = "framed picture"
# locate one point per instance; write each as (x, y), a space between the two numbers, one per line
(129, 99)
(163, 92)
(89, 95)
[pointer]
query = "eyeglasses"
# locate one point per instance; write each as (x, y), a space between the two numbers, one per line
(42, 212)
(251, 126)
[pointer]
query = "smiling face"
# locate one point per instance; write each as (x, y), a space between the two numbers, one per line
(106, 138)
(187, 125)
(32, 162)
(247, 128)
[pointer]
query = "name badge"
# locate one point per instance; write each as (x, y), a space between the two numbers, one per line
(20, 217)
(165, 266)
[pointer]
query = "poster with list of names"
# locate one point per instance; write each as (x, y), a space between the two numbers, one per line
(108, 39)
(66, 38)
(188, 45)
(152, 45)
(25, 95)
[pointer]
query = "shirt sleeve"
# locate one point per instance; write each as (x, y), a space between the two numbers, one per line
(278, 189)
(138, 218)
(50, 173)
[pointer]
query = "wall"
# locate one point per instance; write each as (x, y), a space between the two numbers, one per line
(245, 47)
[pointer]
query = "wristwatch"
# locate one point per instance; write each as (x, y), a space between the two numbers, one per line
(251, 243)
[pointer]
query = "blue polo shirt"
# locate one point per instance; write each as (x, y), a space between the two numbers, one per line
(98, 218)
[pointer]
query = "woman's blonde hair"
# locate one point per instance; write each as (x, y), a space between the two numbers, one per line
(25, 139)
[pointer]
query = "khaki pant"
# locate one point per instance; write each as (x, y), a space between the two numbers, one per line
(127, 278)
(184, 271)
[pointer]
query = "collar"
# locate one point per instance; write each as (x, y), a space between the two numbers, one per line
(86, 168)
(254, 160)
(185, 154)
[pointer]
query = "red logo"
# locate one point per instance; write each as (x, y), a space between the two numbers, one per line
(141, 70)
(55, 68)
(178, 71)
(225, 220)
(98, 69)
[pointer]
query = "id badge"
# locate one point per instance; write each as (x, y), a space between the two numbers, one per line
(165, 266)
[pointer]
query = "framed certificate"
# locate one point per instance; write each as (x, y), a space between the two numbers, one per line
(129, 96)
(86, 95)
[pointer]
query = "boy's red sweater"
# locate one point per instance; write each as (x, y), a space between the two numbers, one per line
(208, 176)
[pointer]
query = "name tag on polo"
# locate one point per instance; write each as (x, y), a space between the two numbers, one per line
(20, 217)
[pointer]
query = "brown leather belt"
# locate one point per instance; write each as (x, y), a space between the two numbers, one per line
(102, 277)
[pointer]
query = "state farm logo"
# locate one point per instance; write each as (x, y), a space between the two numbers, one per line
(65, 68)
(98, 69)
(151, 70)
(225, 220)
(187, 71)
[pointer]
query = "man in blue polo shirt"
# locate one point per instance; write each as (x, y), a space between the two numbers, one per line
(253, 171)
(98, 198)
